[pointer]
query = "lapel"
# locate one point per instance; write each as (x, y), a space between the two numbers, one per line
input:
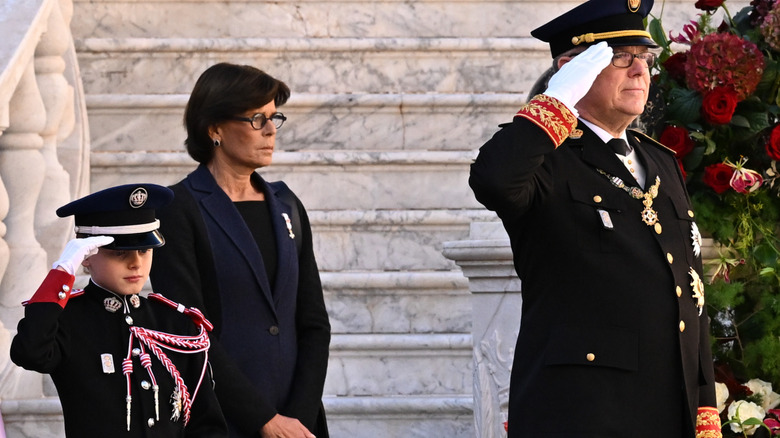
(600, 156)
(216, 204)
(645, 157)
(286, 252)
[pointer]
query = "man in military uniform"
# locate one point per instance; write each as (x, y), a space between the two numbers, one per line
(123, 365)
(614, 337)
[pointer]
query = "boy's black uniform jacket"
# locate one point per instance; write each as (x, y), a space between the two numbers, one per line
(68, 343)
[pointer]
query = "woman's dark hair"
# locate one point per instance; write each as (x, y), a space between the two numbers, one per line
(223, 91)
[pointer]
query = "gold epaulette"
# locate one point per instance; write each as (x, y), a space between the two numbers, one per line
(551, 115)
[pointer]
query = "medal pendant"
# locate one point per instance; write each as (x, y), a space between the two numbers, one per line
(649, 216)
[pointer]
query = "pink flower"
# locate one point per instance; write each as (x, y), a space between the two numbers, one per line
(770, 28)
(744, 180)
(692, 33)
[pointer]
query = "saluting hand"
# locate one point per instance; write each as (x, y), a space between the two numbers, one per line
(572, 82)
(77, 250)
(285, 427)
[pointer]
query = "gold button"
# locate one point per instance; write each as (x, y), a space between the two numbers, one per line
(597, 199)
(632, 170)
(591, 357)
(682, 326)
(669, 257)
(679, 291)
(630, 161)
(658, 228)
(690, 213)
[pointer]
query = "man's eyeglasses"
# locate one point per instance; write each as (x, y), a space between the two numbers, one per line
(625, 59)
(258, 121)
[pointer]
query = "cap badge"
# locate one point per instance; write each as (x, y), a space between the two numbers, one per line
(633, 5)
(138, 197)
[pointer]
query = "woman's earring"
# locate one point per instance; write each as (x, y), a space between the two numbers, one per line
(216, 143)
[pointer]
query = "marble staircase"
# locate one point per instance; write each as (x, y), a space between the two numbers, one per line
(391, 99)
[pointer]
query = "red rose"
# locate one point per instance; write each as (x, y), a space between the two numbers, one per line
(718, 106)
(675, 66)
(718, 177)
(678, 140)
(773, 147)
(708, 5)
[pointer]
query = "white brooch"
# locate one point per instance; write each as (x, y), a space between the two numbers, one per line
(696, 238)
(289, 225)
(698, 289)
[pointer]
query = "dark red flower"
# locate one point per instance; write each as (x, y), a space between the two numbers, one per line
(677, 139)
(724, 60)
(675, 66)
(708, 5)
(723, 374)
(718, 177)
(718, 106)
(773, 147)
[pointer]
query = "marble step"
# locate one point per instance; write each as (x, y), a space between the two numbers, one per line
(325, 65)
(411, 303)
(390, 364)
(309, 19)
(395, 416)
(325, 180)
(334, 122)
(416, 417)
(328, 18)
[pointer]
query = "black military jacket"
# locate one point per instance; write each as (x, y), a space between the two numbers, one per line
(68, 344)
(611, 341)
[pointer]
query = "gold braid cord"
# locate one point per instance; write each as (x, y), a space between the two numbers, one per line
(708, 423)
(551, 115)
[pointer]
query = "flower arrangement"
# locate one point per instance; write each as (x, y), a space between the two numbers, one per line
(718, 83)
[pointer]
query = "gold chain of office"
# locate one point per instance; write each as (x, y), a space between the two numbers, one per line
(649, 216)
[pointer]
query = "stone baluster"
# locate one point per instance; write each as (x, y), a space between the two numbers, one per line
(486, 260)
(51, 231)
(22, 170)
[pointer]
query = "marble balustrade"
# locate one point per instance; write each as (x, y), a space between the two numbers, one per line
(43, 164)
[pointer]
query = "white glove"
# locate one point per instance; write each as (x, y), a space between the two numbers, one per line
(572, 82)
(77, 250)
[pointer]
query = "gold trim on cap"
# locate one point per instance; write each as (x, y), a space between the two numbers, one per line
(592, 37)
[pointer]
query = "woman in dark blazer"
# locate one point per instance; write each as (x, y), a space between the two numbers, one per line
(241, 249)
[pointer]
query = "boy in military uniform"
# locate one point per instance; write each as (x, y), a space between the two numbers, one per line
(124, 365)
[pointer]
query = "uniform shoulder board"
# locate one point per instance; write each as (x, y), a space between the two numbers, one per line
(641, 136)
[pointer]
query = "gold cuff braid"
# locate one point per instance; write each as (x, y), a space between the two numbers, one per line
(551, 115)
(708, 423)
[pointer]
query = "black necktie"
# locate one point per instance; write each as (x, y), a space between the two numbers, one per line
(619, 146)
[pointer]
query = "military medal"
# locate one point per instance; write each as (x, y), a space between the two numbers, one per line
(696, 239)
(649, 216)
(107, 361)
(606, 220)
(698, 289)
